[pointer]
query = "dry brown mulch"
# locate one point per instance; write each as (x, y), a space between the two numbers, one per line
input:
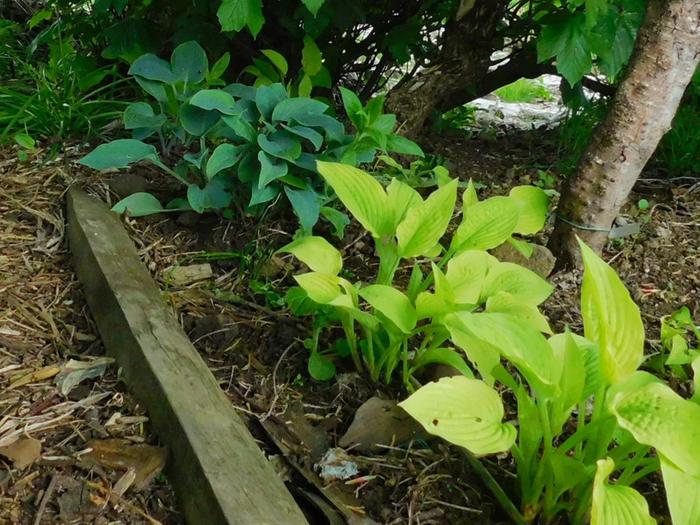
(44, 323)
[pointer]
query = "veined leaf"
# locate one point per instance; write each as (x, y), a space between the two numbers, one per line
(466, 273)
(463, 411)
(591, 358)
(353, 108)
(506, 303)
(571, 381)
(533, 203)
(215, 99)
(189, 62)
(141, 115)
(361, 194)
(469, 196)
(298, 108)
(271, 168)
(616, 505)
(313, 5)
(321, 287)
(610, 318)
(391, 303)
(657, 416)
(401, 197)
(311, 58)
(234, 15)
(223, 157)
(150, 67)
(523, 284)
(682, 493)
(425, 224)
(484, 356)
(486, 224)
(138, 205)
(277, 59)
(317, 253)
(443, 356)
(119, 154)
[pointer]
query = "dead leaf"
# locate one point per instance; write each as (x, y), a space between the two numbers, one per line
(380, 422)
(37, 375)
(76, 371)
(121, 486)
(184, 275)
(22, 452)
(75, 501)
(121, 454)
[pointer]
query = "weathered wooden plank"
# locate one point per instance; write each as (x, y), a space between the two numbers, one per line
(217, 470)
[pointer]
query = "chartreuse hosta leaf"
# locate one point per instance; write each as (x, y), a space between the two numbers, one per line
(322, 288)
(610, 318)
(361, 194)
(425, 223)
(391, 303)
(523, 284)
(506, 303)
(571, 381)
(469, 196)
(317, 253)
(682, 493)
(533, 204)
(466, 273)
(655, 415)
(486, 224)
(400, 198)
(591, 359)
(616, 505)
(463, 411)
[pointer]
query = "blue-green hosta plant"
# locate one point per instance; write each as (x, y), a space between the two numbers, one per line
(589, 423)
(244, 142)
(386, 326)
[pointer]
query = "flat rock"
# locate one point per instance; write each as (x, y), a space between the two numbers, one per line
(541, 261)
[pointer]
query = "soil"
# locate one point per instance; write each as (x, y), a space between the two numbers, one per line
(255, 348)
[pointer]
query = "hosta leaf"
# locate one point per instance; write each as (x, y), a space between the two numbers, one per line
(189, 62)
(141, 115)
(306, 205)
(391, 303)
(298, 108)
(321, 287)
(610, 318)
(466, 273)
(401, 197)
(616, 505)
(268, 97)
(443, 356)
(197, 121)
(138, 205)
(317, 253)
(150, 67)
(309, 134)
(682, 493)
(505, 303)
(271, 168)
(425, 223)
(465, 412)
(262, 195)
(361, 194)
(215, 99)
(469, 196)
(519, 342)
(571, 381)
(591, 359)
(486, 224)
(533, 204)
(241, 91)
(119, 154)
(278, 60)
(321, 367)
(332, 128)
(483, 355)
(213, 196)
(657, 416)
(223, 157)
(523, 284)
(337, 218)
(280, 144)
(242, 127)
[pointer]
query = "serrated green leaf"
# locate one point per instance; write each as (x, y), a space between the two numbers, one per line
(317, 253)
(465, 412)
(313, 5)
(234, 15)
(567, 39)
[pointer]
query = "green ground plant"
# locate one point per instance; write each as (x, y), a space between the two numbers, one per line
(386, 328)
(585, 412)
(239, 142)
(524, 90)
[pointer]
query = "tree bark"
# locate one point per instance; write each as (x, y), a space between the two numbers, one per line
(666, 54)
(464, 60)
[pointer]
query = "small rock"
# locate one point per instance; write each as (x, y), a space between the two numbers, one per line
(126, 184)
(336, 465)
(541, 261)
(184, 275)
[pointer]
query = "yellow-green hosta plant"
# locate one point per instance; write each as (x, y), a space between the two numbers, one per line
(589, 423)
(385, 325)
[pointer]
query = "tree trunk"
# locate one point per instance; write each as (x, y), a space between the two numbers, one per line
(666, 54)
(464, 60)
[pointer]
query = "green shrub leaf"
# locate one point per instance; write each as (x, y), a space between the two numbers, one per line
(311, 58)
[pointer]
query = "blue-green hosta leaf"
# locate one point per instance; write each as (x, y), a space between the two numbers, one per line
(215, 99)
(520, 343)
(141, 115)
(425, 224)
(306, 205)
(399, 144)
(278, 60)
(391, 303)
(213, 196)
(533, 203)
(465, 412)
(154, 88)
(337, 218)
(262, 195)
(658, 417)
(401, 197)
(443, 356)
(361, 194)
(332, 128)
(466, 273)
(234, 15)
(138, 205)
(119, 154)
(280, 144)
(298, 108)
(616, 505)
(610, 318)
(321, 287)
(241, 91)
(223, 157)
(486, 224)
(267, 98)
(313, 5)
(317, 253)
(197, 121)
(189, 62)
(523, 284)
(506, 303)
(271, 168)
(150, 67)
(311, 57)
(242, 127)
(307, 133)
(682, 493)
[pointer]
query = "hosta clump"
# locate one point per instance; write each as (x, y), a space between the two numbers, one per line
(239, 142)
(585, 413)
(386, 327)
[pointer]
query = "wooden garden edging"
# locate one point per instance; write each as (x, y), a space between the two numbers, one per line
(217, 470)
